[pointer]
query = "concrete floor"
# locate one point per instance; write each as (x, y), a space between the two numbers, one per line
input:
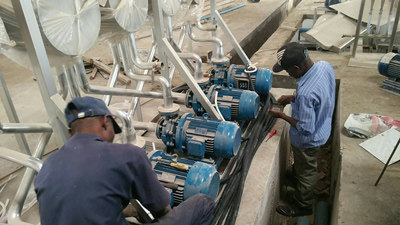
(358, 201)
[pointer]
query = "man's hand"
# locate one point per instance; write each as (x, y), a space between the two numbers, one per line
(276, 113)
(285, 99)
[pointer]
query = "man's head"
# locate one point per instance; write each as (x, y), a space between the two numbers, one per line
(90, 115)
(293, 58)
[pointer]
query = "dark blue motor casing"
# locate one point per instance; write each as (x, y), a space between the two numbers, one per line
(389, 65)
(236, 76)
(234, 104)
(198, 136)
(199, 178)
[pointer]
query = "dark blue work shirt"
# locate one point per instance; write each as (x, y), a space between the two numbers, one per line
(90, 181)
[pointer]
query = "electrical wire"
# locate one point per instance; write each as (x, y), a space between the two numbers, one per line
(235, 174)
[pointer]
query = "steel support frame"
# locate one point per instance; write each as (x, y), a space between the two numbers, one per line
(166, 51)
(12, 115)
(216, 18)
(37, 54)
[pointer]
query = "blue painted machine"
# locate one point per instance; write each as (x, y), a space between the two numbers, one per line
(185, 177)
(257, 79)
(234, 104)
(200, 136)
(389, 65)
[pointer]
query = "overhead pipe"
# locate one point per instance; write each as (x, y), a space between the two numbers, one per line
(198, 72)
(128, 131)
(13, 128)
(219, 54)
(136, 60)
(14, 212)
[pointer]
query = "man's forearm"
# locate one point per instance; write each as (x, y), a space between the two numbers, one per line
(290, 120)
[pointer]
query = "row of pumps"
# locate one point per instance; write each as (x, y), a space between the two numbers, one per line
(236, 91)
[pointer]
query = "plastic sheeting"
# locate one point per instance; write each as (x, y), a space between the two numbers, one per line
(171, 7)
(130, 14)
(72, 27)
(180, 17)
(195, 11)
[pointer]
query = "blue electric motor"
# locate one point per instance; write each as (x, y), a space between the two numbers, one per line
(259, 80)
(185, 177)
(234, 104)
(198, 136)
(389, 65)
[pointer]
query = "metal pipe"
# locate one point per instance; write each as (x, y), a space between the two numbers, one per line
(198, 72)
(395, 24)
(166, 87)
(135, 102)
(136, 60)
(370, 17)
(389, 17)
(62, 83)
(124, 52)
(20, 158)
(12, 115)
(145, 126)
(14, 213)
(114, 71)
(88, 89)
(378, 26)
(71, 81)
(359, 21)
(12, 128)
(219, 54)
(170, 32)
(128, 131)
(179, 45)
(204, 27)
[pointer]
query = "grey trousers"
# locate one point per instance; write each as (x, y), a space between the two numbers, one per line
(305, 170)
(197, 210)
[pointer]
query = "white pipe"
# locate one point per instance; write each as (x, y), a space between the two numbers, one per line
(88, 89)
(128, 131)
(198, 72)
(114, 71)
(20, 158)
(136, 60)
(166, 87)
(152, 127)
(204, 27)
(12, 128)
(219, 54)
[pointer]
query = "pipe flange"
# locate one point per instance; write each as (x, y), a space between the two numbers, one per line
(168, 112)
(220, 62)
(203, 81)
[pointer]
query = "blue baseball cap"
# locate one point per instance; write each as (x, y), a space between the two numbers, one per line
(88, 107)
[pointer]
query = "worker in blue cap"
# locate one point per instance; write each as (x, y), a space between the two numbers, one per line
(311, 120)
(91, 180)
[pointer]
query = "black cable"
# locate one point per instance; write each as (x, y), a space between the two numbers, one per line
(229, 203)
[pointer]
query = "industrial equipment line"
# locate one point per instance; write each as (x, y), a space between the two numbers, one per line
(234, 178)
